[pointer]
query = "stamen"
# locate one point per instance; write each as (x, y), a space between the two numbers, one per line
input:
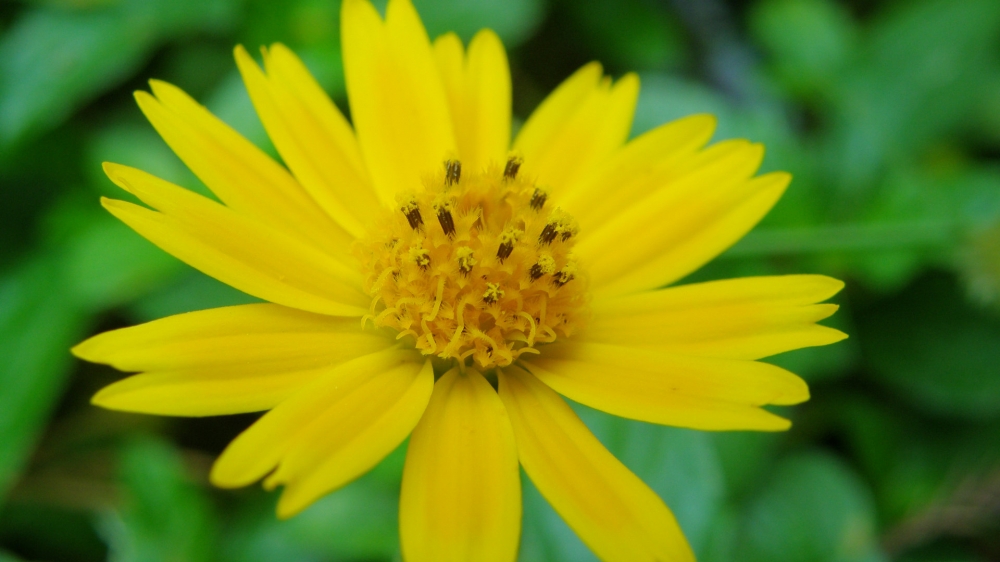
(465, 259)
(411, 209)
(512, 167)
(565, 275)
(508, 238)
(452, 172)
(560, 224)
(548, 234)
(420, 257)
(493, 293)
(443, 209)
(545, 266)
(538, 199)
(446, 289)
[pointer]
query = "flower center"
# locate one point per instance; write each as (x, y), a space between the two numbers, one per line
(475, 265)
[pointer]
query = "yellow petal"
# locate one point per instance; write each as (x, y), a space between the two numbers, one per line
(637, 170)
(366, 419)
(260, 448)
(236, 250)
(577, 128)
(264, 335)
(613, 512)
(225, 360)
(546, 122)
(479, 98)
(240, 174)
(461, 496)
(397, 99)
(205, 391)
(746, 318)
(312, 136)
(678, 229)
(698, 392)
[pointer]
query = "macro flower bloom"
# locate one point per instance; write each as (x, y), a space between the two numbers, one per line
(424, 277)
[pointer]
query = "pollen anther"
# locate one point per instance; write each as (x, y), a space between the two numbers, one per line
(493, 293)
(508, 238)
(464, 256)
(480, 288)
(453, 172)
(411, 210)
(512, 167)
(538, 199)
(545, 266)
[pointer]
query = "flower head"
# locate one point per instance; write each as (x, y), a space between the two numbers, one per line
(426, 278)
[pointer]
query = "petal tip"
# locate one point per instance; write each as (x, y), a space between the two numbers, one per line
(85, 351)
(106, 398)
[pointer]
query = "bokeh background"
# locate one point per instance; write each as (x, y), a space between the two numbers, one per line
(886, 111)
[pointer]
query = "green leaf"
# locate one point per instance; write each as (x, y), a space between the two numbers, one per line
(38, 530)
(513, 20)
(53, 60)
(357, 522)
(108, 264)
(188, 292)
(632, 34)
(809, 40)
(38, 324)
(813, 508)
(133, 142)
(934, 349)
(920, 77)
(745, 458)
(165, 516)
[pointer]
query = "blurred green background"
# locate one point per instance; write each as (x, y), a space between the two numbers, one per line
(886, 112)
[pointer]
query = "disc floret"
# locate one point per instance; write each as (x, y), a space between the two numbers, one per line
(475, 265)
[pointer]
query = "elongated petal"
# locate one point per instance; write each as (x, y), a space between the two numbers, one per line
(236, 250)
(697, 392)
(479, 98)
(675, 231)
(461, 496)
(245, 178)
(398, 104)
(577, 128)
(312, 136)
(255, 334)
(636, 171)
(362, 425)
(746, 318)
(225, 360)
(259, 449)
(612, 511)
(546, 121)
(205, 391)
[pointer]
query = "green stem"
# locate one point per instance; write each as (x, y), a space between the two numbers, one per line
(846, 237)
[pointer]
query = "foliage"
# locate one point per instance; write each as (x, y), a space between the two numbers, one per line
(887, 113)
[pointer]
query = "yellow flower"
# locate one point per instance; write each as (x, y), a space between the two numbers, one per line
(426, 278)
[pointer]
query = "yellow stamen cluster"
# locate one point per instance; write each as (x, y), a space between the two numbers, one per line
(475, 265)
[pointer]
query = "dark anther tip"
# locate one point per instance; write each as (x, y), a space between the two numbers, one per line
(548, 234)
(452, 171)
(512, 167)
(538, 199)
(503, 252)
(413, 216)
(447, 222)
(536, 272)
